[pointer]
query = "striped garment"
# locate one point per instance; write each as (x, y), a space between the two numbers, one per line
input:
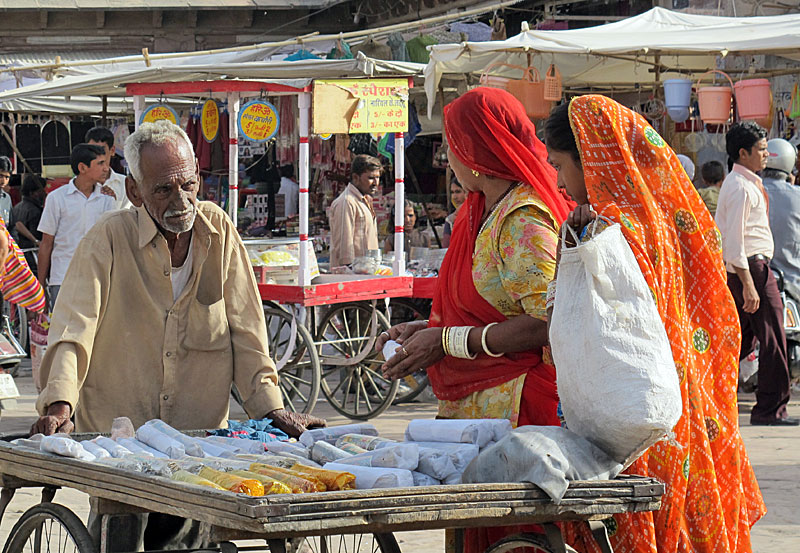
(18, 284)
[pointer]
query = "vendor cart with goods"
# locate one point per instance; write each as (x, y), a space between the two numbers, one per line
(284, 502)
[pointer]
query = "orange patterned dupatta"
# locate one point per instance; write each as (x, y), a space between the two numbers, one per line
(635, 179)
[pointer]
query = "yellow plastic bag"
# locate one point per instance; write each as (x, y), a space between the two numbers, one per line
(297, 483)
(189, 478)
(233, 483)
(271, 485)
(333, 479)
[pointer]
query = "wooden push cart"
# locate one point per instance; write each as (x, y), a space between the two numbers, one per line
(356, 521)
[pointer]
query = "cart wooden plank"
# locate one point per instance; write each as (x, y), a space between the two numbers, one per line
(338, 292)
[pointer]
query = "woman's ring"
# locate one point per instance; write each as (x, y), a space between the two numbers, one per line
(404, 351)
(384, 332)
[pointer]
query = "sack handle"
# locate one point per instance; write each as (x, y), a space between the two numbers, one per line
(568, 228)
(714, 71)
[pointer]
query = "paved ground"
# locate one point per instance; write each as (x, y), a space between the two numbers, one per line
(774, 453)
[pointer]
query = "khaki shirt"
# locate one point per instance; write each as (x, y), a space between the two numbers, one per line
(119, 345)
(353, 226)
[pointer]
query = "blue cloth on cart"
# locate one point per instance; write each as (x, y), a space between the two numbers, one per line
(260, 430)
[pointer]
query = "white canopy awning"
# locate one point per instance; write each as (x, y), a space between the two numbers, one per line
(621, 53)
(50, 96)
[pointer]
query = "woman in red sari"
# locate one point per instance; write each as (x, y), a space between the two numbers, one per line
(484, 345)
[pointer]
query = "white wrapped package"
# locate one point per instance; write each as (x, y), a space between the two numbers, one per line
(154, 452)
(390, 348)
(212, 449)
(190, 445)
(133, 446)
(368, 478)
(421, 479)
(94, 449)
(160, 441)
(435, 463)
(363, 441)
(469, 431)
(323, 452)
(288, 447)
(66, 447)
(25, 442)
(245, 446)
(116, 450)
(331, 434)
(461, 454)
(400, 456)
(351, 448)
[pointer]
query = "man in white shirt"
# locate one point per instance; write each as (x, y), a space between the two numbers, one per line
(100, 136)
(747, 247)
(69, 213)
(290, 190)
(354, 230)
(5, 188)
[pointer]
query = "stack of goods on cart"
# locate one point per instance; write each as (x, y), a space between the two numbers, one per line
(278, 263)
(256, 460)
(434, 451)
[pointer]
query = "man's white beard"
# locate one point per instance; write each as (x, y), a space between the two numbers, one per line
(179, 228)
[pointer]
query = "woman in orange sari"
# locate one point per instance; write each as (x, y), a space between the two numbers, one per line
(610, 159)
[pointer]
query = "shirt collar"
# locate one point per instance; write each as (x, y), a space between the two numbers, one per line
(355, 191)
(148, 229)
(746, 173)
(72, 189)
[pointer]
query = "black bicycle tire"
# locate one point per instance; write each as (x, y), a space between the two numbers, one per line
(28, 522)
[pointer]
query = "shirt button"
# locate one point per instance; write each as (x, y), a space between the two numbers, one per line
(154, 244)
(166, 272)
(166, 398)
(169, 354)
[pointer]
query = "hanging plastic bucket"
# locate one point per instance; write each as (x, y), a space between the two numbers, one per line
(677, 93)
(753, 98)
(678, 114)
(715, 101)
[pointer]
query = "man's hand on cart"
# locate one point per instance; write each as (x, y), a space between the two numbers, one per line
(56, 420)
(294, 424)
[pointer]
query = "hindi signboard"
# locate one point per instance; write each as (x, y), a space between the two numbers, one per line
(157, 112)
(209, 120)
(360, 106)
(258, 120)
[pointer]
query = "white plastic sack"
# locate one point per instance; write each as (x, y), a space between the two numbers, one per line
(616, 376)
(368, 478)
(548, 456)
(66, 447)
(323, 452)
(468, 431)
(400, 456)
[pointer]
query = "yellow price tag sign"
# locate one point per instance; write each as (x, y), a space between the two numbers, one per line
(259, 121)
(157, 112)
(209, 120)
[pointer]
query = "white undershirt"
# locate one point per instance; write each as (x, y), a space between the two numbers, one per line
(180, 275)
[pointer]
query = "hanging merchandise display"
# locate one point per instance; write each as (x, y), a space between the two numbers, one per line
(753, 99)
(794, 108)
(715, 101)
(677, 96)
(157, 112)
(209, 120)
(418, 48)
(530, 91)
(552, 84)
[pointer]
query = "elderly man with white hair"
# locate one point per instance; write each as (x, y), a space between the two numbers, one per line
(159, 312)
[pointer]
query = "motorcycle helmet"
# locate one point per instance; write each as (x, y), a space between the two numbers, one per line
(782, 155)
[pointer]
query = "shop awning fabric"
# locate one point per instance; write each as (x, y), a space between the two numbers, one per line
(50, 96)
(623, 53)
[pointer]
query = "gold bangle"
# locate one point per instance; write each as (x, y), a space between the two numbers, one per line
(444, 340)
(483, 342)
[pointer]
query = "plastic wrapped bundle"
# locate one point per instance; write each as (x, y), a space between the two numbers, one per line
(296, 483)
(421, 479)
(452, 479)
(189, 478)
(469, 431)
(461, 454)
(233, 483)
(323, 452)
(143, 446)
(351, 448)
(271, 486)
(95, 449)
(364, 441)
(190, 445)
(129, 464)
(367, 478)
(133, 446)
(244, 446)
(122, 427)
(319, 485)
(333, 479)
(399, 456)
(213, 450)
(159, 441)
(223, 465)
(279, 448)
(116, 450)
(435, 463)
(331, 435)
(65, 447)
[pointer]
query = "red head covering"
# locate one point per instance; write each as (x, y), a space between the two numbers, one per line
(489, 132)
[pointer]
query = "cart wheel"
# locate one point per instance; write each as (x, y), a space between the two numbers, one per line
(345, 543)
(357, 391)
(530, 542)
(51, 528)
(404, 310)
(299, 378)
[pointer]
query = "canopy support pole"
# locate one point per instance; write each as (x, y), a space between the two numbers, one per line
(399, 266)
(233, 156)
(138, 109)
(304, 108)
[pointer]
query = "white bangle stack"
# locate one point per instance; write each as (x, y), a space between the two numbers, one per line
(485, 348)
(455, 341)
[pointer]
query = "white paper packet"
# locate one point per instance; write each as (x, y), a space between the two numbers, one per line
(368, 478)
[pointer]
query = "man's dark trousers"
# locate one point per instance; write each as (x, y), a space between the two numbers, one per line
(764, 327)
